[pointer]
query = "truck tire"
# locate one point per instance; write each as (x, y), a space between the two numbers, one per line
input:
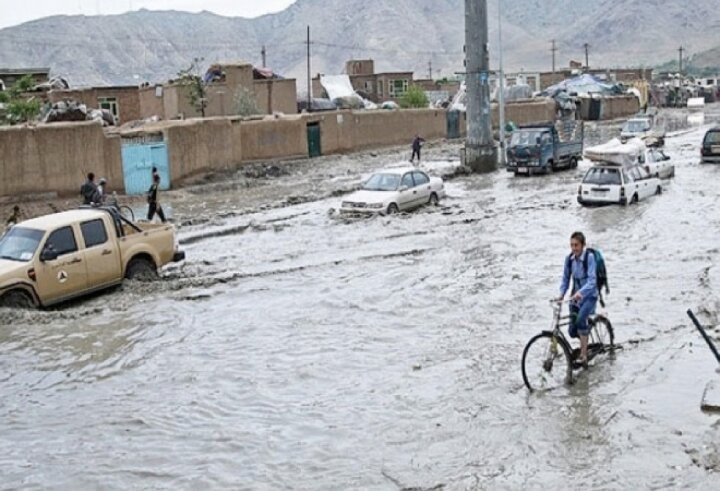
(17, 299)
(573, 163)
(141, 269)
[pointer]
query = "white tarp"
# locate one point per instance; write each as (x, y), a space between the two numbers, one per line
(616, 152)
(339, 87)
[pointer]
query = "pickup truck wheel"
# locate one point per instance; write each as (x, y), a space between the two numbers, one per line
(658, 190)
(16, 299)
(141, 269)
(573, 163)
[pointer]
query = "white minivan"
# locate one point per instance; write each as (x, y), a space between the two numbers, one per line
(606, 184)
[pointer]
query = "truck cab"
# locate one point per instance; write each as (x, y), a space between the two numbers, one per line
(543, 148)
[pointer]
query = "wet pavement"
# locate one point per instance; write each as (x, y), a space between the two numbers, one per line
(299, 350)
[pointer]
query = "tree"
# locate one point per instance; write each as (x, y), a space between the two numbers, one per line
(244, 101)
(191, 78)
(18, 107)
(415, 97)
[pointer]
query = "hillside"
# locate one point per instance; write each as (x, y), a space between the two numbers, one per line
(398, 34)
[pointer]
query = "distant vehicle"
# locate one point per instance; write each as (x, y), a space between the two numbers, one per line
(543, 148)
(392, 190)
(641, 127)
(633, 152)
(53, 258)
(657, 163)
(710, 150)
(606, 184)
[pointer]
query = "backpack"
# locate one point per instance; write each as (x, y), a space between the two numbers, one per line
(601, 277)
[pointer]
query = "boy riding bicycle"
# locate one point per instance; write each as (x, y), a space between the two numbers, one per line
(580, 265)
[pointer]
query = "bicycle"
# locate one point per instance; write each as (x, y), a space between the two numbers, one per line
(548, 360)
(124, 210)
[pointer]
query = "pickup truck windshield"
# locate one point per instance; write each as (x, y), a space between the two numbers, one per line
(20, 244)
(602, 176)
(382, 182)
(525, 137)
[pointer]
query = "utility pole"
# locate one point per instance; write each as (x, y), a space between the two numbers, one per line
(501, 90)
(263, 53)
(430, 69)
(587, 63)
(681, 59)
(553, 49)
(309, 77)
(480, 150)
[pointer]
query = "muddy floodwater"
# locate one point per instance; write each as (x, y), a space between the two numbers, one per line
(298, 350)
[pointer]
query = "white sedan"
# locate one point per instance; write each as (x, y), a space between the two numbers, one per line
(608, 184)
(392, 190)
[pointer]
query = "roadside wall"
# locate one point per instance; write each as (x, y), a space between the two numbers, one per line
(274, 138)
(619, 106)
(198, 145)
(55, 158)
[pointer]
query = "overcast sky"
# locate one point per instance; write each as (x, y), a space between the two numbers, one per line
(15, 12)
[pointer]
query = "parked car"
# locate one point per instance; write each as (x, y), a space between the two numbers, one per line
(605, 184)
(392, 190)
(710, 150)
(53, 258)
(544, 148)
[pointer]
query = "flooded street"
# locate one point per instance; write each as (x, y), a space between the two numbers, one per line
(298, 350)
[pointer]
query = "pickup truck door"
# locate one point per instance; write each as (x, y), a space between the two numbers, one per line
(66, 275)
(101, 253)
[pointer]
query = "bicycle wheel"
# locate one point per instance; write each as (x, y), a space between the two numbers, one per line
(127, 212)
(602, 337)
(546, 363)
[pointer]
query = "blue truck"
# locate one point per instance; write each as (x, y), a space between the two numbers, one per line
(545, 147)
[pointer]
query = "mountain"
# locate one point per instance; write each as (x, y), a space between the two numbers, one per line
(398, 34)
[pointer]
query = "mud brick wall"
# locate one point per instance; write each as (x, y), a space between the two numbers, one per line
(128, 99)
(373, 128)
(56, 157)
(619, 106)
(526, 112)
(336, 130)
(274, 96)
(274, 138)
(150, 103)
(198, 145)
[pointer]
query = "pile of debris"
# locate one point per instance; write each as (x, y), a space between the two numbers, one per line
(69, 110)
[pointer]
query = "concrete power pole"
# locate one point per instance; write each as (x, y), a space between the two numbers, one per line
(309, 77)
(501, 91)
(553, 49)
(681, 59)
(587, 63)
(480, 149)
(263, 53)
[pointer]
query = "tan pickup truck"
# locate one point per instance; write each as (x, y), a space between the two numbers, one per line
(53, 258)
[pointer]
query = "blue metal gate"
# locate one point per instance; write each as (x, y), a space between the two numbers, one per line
(139, 156)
